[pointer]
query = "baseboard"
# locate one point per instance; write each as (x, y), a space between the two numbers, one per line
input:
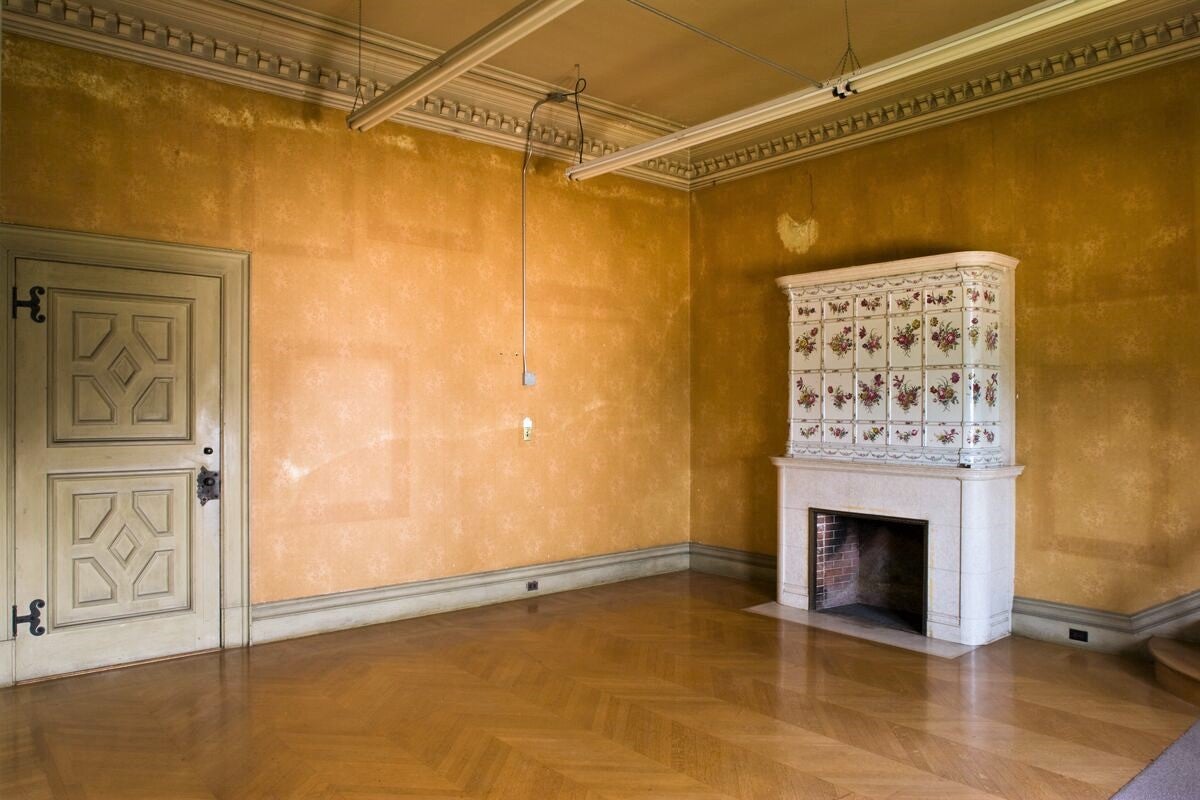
(286, 619)
(7, 664)
(740, 564)
(1108, 631)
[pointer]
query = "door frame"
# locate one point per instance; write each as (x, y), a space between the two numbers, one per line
(232, 269)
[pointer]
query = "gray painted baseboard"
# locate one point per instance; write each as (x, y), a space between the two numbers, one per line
(286, 619)
(1108, 631)
(1037, 619)
(732, 563)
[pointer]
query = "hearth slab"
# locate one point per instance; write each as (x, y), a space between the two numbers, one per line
(849, 626)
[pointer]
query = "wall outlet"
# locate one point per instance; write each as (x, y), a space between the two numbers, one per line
(526, 430)
(531, 586)
(1077, 635)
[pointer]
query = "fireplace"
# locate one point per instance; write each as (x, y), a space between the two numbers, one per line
(902, 407)
(870, 567)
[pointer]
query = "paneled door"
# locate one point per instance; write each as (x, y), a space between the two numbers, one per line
(117, 407)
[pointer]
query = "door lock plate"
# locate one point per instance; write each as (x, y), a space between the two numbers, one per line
(208, 485)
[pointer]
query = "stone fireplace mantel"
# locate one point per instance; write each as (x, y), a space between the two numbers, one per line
(971, 518)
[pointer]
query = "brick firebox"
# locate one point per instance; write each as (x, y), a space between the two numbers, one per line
(873, 562)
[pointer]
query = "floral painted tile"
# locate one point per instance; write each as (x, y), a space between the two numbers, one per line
(837, 307)
(871, 434)
(839, 432)
(806, 432)
(870, 305)
(870, 394)
(806, 309)
(838, 352)
(943, 334)
(905, 301)
(983, 337)
(980, 436)
(945, 393)
(871, 334)
(904, 435)
(904, 341)
(943, 298)
(839, 396)
(905, 396)
(944, 435)
(806, 395)
(983, 394)
(982, 296)
(806, 346)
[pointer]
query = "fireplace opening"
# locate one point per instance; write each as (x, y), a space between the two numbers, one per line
(870, 568)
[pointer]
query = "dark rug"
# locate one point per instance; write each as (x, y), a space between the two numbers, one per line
(1175, 775)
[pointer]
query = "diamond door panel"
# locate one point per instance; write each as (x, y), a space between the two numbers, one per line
(121, 545)
(125, 372)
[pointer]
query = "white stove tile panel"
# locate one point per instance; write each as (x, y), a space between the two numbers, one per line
(982, 296)
(905, 436)
(806, 395)
(838, 308)
(943, 298)
(944, 393)
(806, 309)
(905, 301)
(872, 342)
(806, 346)
(838, 352)
(943, 339)
(905, 396)
(871, 434)
(839, 396)
(983, 337)
(943, 435)
(984, 395)
(870, 395)
(803, 432)
(904, 341)
(871, 305)
(839, 433)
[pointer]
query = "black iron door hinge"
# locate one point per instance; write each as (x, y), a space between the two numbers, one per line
(34, 303)
(34, 618)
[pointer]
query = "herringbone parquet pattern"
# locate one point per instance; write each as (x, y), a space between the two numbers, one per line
(657, 688)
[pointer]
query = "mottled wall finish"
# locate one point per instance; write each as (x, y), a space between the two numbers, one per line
(1097, 192)
(385, 315)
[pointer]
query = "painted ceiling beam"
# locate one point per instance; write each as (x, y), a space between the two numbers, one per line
(467, 54)
(1009, 30)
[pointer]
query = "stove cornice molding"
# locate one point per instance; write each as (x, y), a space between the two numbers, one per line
(270, 46)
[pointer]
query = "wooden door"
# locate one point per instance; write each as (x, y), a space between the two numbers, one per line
(117, 406)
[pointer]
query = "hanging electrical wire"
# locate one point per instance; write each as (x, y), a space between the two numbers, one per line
(528, 378)
(358, 86)
(849, 64)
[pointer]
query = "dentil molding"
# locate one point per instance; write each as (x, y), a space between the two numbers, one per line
(270, 46)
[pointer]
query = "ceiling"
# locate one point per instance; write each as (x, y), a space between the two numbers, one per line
(636, 59)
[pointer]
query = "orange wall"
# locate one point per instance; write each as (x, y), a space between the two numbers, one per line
(1097, 192)
(385, 315)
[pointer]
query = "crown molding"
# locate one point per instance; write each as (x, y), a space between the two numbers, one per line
(1172, 35)
(267, 45)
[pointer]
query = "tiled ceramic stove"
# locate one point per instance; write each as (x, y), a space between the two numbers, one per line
(902, 406)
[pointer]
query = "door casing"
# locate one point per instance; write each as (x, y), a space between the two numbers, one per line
(232, 268)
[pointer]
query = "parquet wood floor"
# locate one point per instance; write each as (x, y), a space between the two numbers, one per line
(656, 688)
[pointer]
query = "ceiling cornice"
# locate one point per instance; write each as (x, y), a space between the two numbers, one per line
(270, 46)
